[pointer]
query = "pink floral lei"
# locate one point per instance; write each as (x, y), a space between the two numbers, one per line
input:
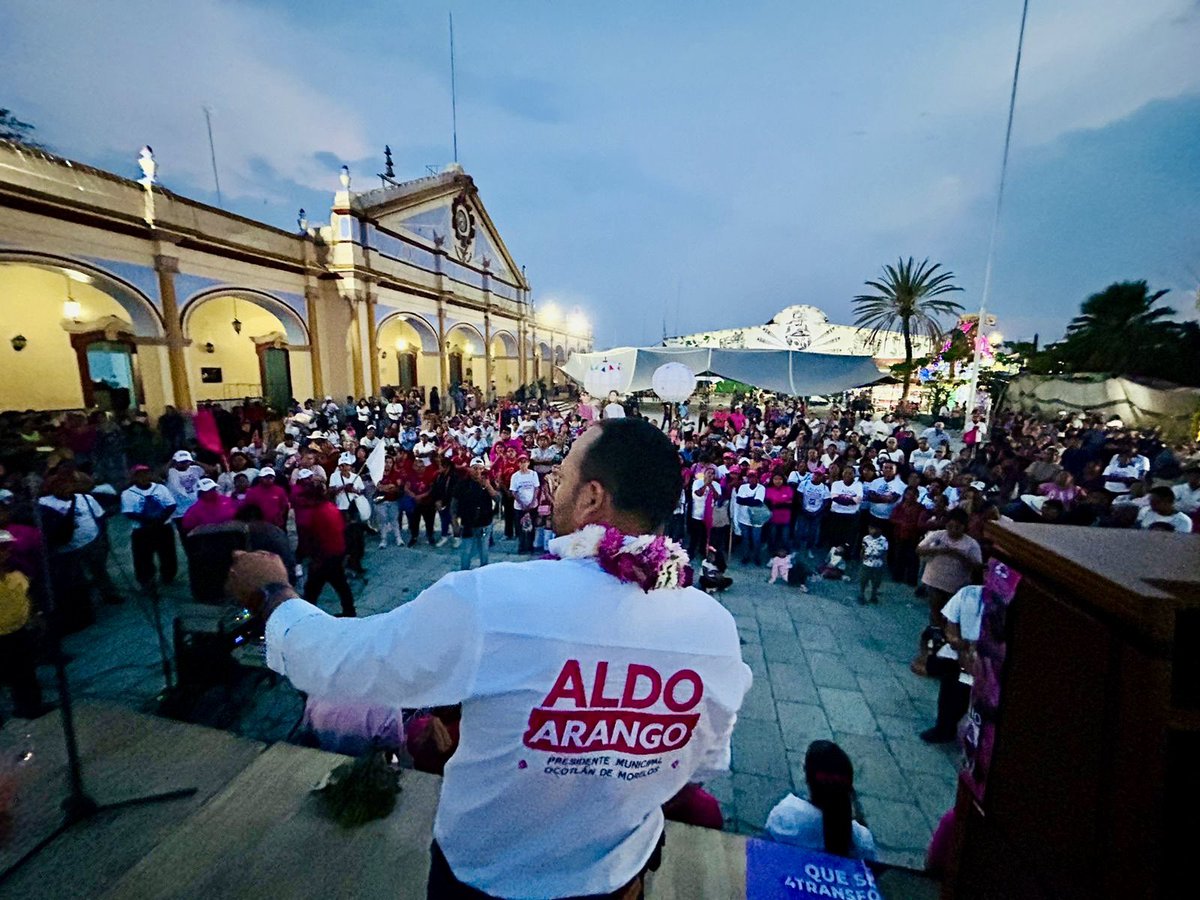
(650, 561)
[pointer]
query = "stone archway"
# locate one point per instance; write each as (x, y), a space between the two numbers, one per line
(408, 352)
(75, 337)
(244, 343)
(465, 347)
(506, 362)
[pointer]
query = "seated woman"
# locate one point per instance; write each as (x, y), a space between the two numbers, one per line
(826, 820)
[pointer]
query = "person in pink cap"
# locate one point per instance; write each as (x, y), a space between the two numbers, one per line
(211, 508)
(269, 497)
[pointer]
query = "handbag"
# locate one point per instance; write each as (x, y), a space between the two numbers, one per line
(759, 516)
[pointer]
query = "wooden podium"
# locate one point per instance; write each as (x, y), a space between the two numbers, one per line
(1093, 789)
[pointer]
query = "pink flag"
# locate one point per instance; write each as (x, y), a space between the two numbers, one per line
(207, 435)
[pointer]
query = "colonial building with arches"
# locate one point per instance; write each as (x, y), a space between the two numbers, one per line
(117, 292)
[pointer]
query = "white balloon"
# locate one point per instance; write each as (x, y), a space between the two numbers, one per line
(673, 382)
(603, 377)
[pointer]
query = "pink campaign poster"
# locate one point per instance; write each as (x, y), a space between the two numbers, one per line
(979, 733)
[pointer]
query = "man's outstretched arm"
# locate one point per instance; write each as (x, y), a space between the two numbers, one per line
(424, 653)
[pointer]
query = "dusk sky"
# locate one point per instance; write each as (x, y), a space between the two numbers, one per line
(710, 162)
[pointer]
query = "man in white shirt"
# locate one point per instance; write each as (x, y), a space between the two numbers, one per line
(183, 481)
(1187, 495)
(150, 506)
(614, 409)
(586, 704)
(922, 455)
(1122, 471)
(952, 663)
(891, 451)
(71, 524)
(1161, 513)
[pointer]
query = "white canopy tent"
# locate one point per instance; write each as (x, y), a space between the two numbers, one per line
(792, 372)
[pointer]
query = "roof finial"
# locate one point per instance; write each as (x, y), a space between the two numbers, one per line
(388, 171)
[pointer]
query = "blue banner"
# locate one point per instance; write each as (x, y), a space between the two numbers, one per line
(783, 872)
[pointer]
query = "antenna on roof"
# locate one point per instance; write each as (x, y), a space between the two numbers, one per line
(453, 93)
(388, 175)
(212, 153)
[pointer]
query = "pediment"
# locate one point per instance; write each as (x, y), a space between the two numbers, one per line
(446, 212)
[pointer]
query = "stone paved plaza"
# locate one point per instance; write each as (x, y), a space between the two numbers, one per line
(824, 667)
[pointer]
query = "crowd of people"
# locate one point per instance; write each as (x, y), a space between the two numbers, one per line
(769, 485)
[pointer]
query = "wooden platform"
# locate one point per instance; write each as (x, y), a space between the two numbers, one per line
(255, 829)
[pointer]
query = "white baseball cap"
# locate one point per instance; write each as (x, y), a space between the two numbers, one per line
(301, 474)
(206, 484)
(6, 537)
(266, 472)
(182, 456)
(346, 459)
(479, 461)
(6, 496)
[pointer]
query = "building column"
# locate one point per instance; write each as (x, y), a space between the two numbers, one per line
(311, 299)
(443, 357)
(373, 343)
(166, 267)
(522, 344)
(356, 348)
(487, 356)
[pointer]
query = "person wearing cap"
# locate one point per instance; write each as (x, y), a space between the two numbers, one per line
(523, 484)
(370, 439)
(269, 496)
(348, 493)
(321, 533)
(426, 446)
(183, 481)
(475, 501)
(211, 508)
(239, 462)
(150, 507)
(18, 646)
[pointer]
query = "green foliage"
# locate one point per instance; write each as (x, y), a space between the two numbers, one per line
(908, 299)
(13, 129)
(359, 791)
(1119, 331)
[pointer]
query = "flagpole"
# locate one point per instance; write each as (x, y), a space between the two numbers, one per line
(973, 384)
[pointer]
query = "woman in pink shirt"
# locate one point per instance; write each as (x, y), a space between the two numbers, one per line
(1062, 488)
(779, 501)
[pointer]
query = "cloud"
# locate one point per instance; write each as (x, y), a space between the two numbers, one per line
(105, 79)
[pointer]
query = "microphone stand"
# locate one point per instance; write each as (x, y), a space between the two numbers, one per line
(78, 806)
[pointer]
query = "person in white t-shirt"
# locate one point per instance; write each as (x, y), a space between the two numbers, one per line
(1161, 513)
(614, 409)
(824, 822)
(1122, 471)
(952, 663)
(922, 456)
(1187, 495)
(183, 481)
(523, 485)
(586, 704)
(846, 497)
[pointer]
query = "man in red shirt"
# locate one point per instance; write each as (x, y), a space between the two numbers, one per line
(322, 534)
(269, 497)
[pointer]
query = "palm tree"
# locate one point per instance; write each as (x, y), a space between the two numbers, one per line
(1119, 330)
(907, 298)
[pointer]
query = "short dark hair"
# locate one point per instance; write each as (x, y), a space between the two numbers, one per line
(639, 467)
(958, 515)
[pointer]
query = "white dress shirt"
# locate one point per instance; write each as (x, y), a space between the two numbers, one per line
(586, 705)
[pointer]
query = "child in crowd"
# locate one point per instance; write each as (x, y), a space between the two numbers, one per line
(835, 567)
(712, 574)
(874, 554)
(781, 564)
